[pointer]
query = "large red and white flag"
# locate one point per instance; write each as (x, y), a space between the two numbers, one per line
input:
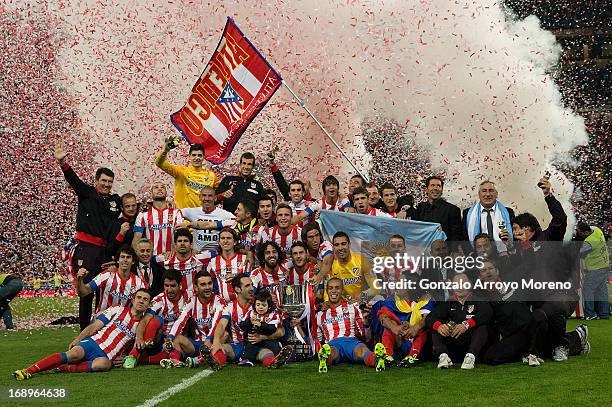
(235, 85)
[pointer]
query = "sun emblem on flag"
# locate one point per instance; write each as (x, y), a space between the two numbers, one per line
(231, 102)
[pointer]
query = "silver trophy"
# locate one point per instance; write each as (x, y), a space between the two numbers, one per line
(293, 303)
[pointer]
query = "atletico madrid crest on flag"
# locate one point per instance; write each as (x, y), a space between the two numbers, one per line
(235, 85)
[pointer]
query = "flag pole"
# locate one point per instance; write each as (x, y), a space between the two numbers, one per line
(303, 105)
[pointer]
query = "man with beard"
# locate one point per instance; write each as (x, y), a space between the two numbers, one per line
(435, 271)
(396, 246)
(330, 201)
(362, 204)
(271, 274)
(230, 319)
(207, 220)
(436, 209)
(341, 326)
(147, 268)
(97, 211)
(242, 187)
(352, 268)
(188, 180)
(185, 260)
(117, 286)
(159, 222)
(284, 234)
(399, 207)
(228, 263)
(297, 202)
(95, 348)
(204, 309)
(154, 329)
(246, 222)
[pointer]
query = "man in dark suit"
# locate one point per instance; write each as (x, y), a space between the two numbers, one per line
(487, 216)
(437, 209)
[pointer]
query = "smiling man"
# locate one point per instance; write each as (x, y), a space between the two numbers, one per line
(190, 179)
(95, 348)
(242, 187)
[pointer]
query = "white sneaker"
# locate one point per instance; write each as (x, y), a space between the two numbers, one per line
(560, 354)
(583, 332)
(532, 360)
(468, 361)
(444, 362)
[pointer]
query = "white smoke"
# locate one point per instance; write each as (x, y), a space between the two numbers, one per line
(472, 84)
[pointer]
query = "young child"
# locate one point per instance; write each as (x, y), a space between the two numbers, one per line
(263, 319)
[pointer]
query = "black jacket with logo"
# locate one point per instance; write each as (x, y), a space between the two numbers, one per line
(96, 214)
(245, 189)
(476, 311)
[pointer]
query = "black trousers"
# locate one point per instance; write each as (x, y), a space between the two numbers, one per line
(547, 328)
(92, 257)
(251, 351)
(508, 349)
(471, 341)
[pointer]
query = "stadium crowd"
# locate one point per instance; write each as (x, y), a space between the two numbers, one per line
(211, 277)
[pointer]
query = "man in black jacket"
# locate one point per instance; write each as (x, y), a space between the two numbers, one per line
(436, 209)
(459, 326)
(97, 212)
(234, 189)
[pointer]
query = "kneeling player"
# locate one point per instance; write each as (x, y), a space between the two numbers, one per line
(94, 349)
(341, 325)
(204, 309)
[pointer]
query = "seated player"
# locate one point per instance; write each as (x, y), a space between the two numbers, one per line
(231, 316)
(154, 329)
(95, 348)
(263, 319)
(229, 262)
(403, 318)
(271, 274)
(459, 326)
(341, 326)
(117, 286)
(203, 309)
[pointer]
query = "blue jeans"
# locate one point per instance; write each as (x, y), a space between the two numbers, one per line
(595, 294)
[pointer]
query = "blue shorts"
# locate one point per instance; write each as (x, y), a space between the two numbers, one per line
(197, 345)
(346, 349)
(92, 349)
(238, 349)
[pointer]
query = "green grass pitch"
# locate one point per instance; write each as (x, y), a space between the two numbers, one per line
(583, 380)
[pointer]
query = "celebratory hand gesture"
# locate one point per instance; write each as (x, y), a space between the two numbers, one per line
(82, 273)
(60, 153)
(544, 184)
(229, 193)
(125, 227)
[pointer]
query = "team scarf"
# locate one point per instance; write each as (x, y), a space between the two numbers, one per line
(411, 307)
(473, 221)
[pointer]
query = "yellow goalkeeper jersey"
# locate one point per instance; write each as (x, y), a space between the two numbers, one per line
(355, 275)
(188, 181)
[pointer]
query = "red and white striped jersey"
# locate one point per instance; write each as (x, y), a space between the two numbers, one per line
(325, 248)
(294, 277)
(118, 332)
(249, 234)
(271, 318)
(115, 290)
(378, 212)
(169, 310)
(158, 226)
(298, 208)
(339, 205)
(188, 268)
(205, 315)
(209, 239)
(342, 321)
(234, 313)
(284, 241)
(262, 278)
(220, 267)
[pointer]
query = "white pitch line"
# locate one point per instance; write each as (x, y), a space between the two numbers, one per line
(165, 395)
